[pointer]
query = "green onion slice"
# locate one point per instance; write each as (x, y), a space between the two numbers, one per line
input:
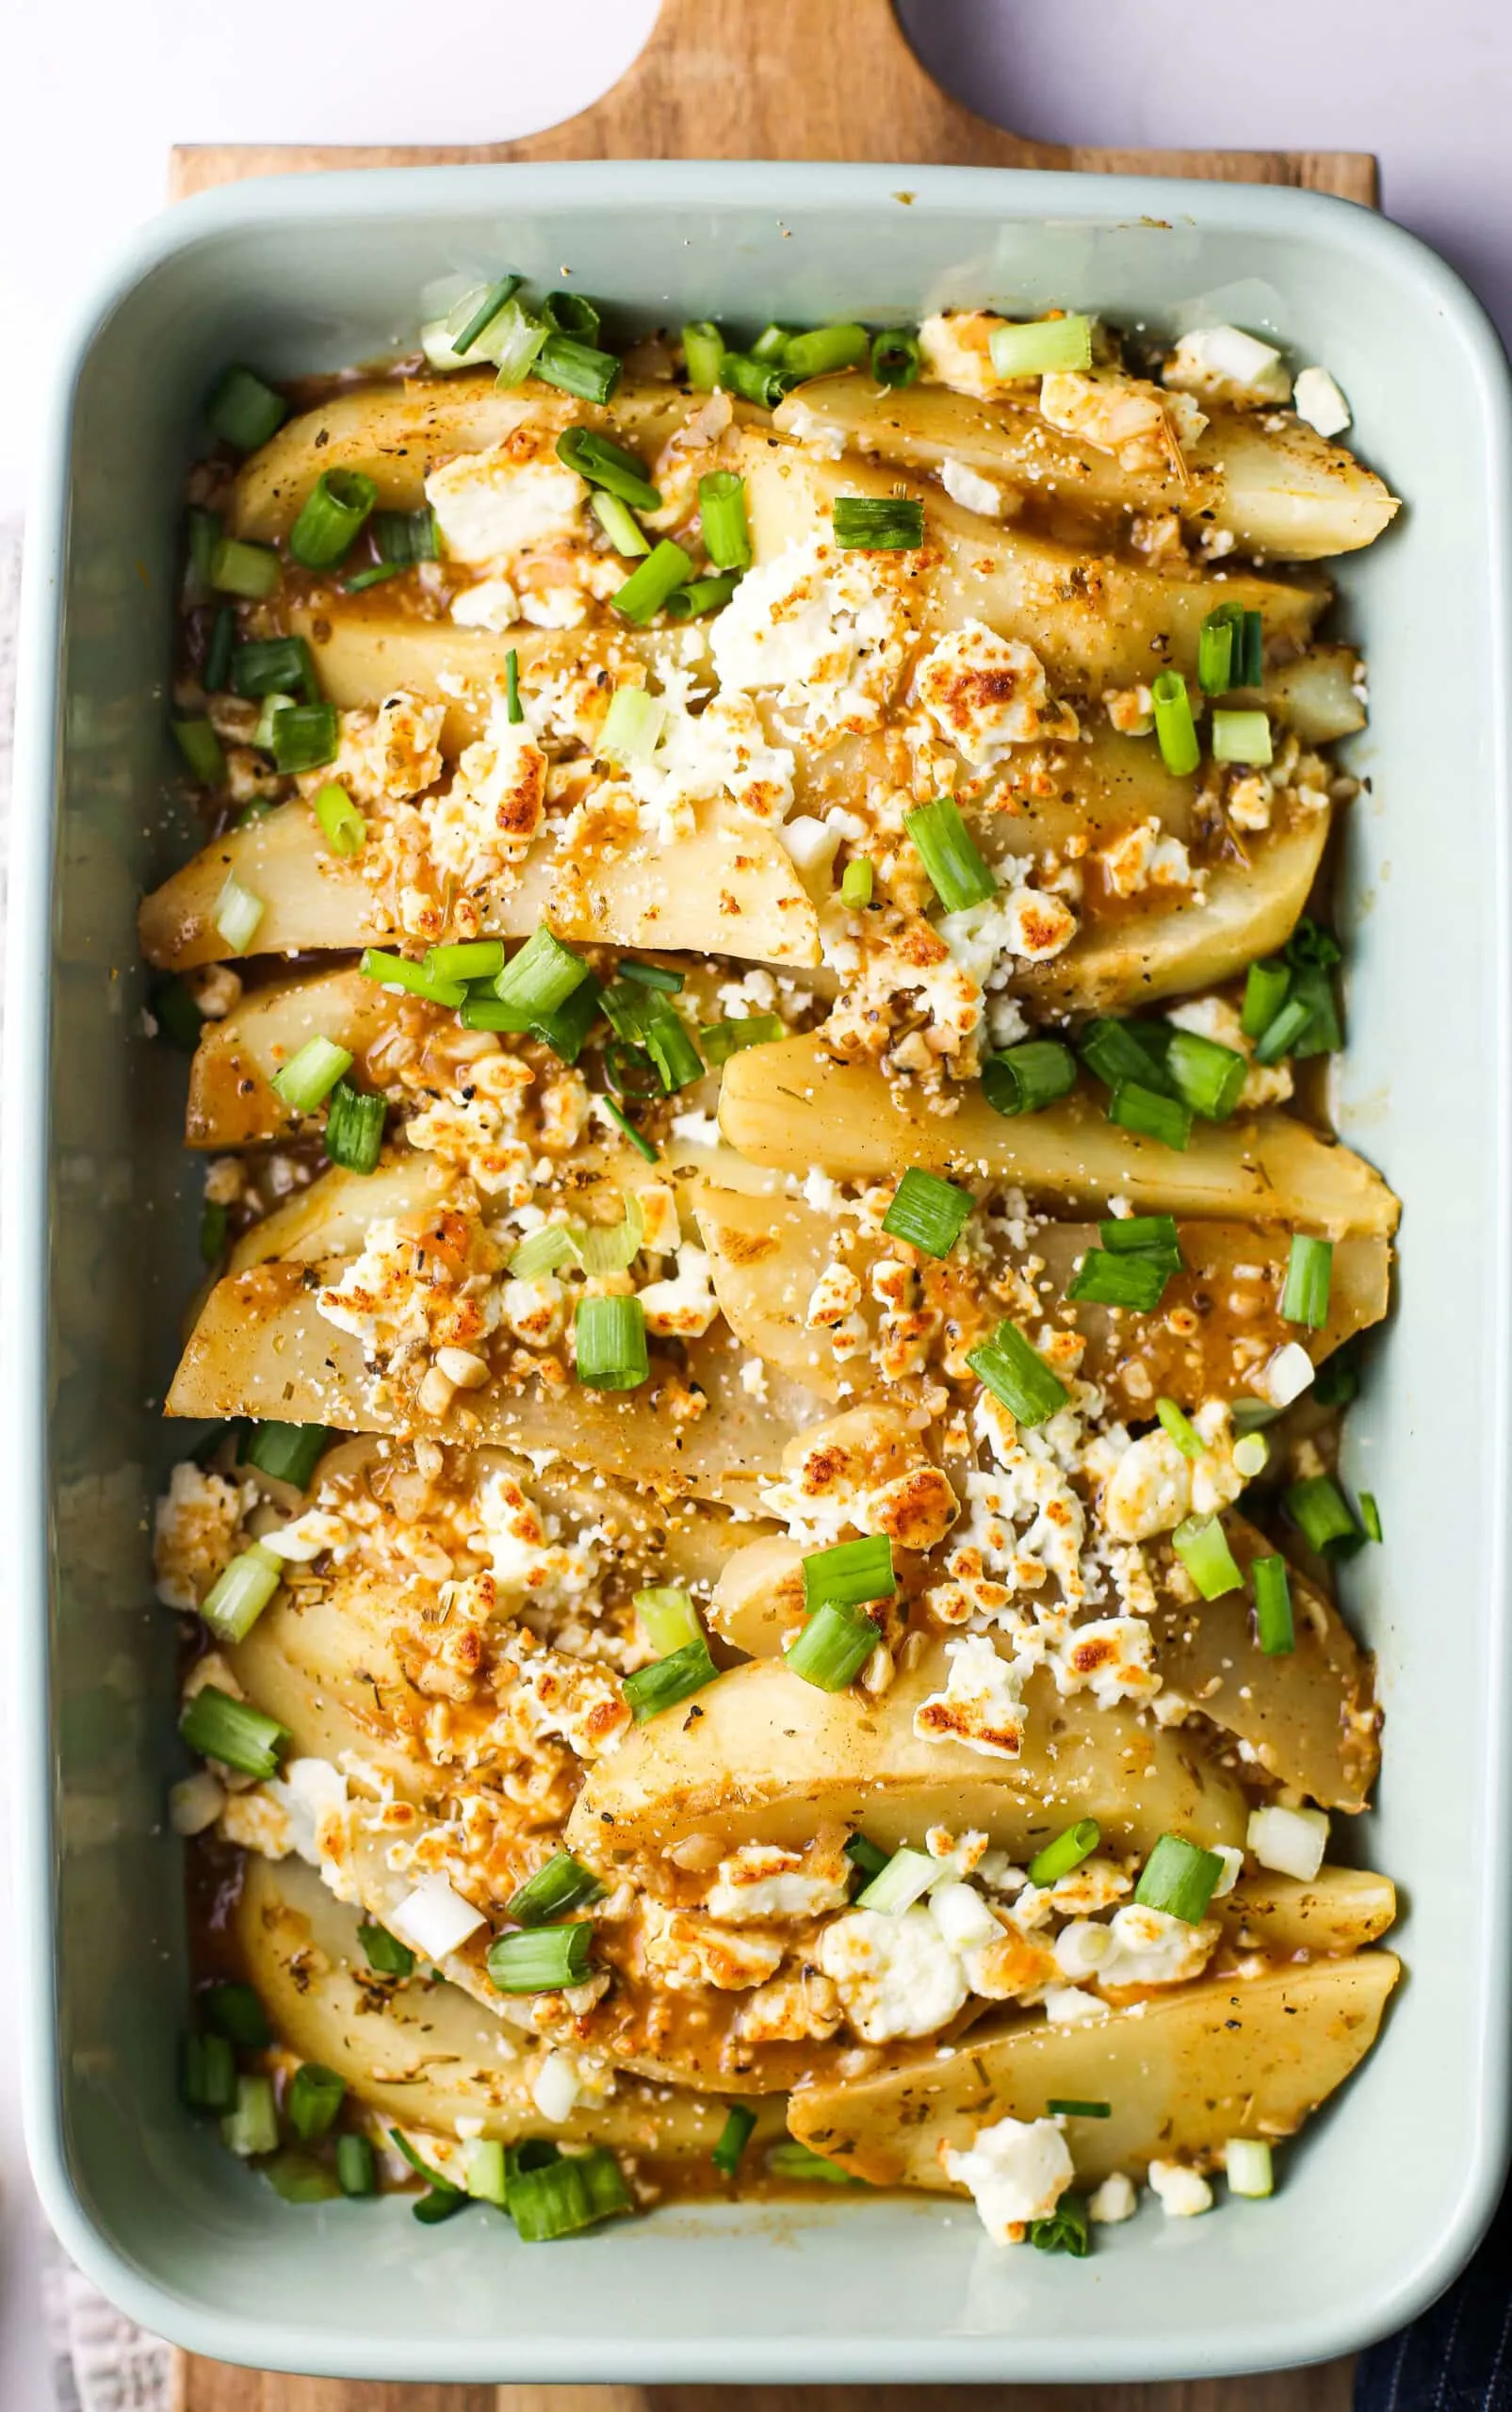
(1142, 1235)
(848, 1575)
(178, 1017)
(1066, 2230)
(564, 1883)
(314, 2098)
(1024, 1079)
(1370, 1515)
(232, 1730)
(1321, 1513)
(308, 1078)
(384, 1951)
(878, 523)
(632, 726)
(354, 1129)
(215, 1228)
(571, 313)
(397, 971)
(243, 411)
(1178, 1878)
(251, 572)
(720, 1040)
(544, 1251)
(833, 1646)
(772, 342)
(1308, 1278)
(664, 568)
(703, 595)
(822, 351)
(670, 1680)
(290, 1452)
(563, 2196)
(467, 338)
(667, 1617)
(578, 369)
(637, 1138)
(703, 350)
(1119, 1052)
(1208, 1077)
(356, 2169)
(541, 975)
(740, 2127)
(485, 2170)
(201, 750)
(1104, 1278)
(753, 381)
(619, 524)
(608, 466)
(1265, 988)
(896, 357)
(1202, 1546)
(237, 2012)
(722, 513)
(1273, 1628)
(219, 650)
(792, 2159)
(949, 855)
(345, 829)
(273, 666)
(467, 959)
(540, 1960)
(612, 1344)
(906, 1879)
(856, 883)
(1066, 1851)
(1280, 1035)
(306, 736)
(927, 1213)
(1018, 1376)
(1242, 736)
(1134, 1107)
(207, 2074)
(1058, 2108)
(330, 517)
(1175, 729)
(1041, 346)
(241, 1593)
(251, 2126)
(1179, 1429)
(404, 537)
(237, 913)
(866, 1856)
(421, 2167)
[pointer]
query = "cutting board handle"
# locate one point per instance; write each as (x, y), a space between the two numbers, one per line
(783, 79)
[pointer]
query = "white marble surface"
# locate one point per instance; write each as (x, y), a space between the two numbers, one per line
(97, 93)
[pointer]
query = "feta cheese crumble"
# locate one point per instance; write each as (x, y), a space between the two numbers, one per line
(1015, 2171)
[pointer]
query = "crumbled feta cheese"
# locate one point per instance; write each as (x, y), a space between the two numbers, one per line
(763, 1881)
(688, 1952)
(555, 2088)
(895, 1976)
(395, 1295)
(1182, 2193)
(1116, 414)
(985, 693)
(1318, 400)
(195, 1530)
(306, 1537)
(811, 844)
(1115, 2200)
(491, 505)
(683, 1308)
(1148, 1491)
(981, 1704)
(580, 1699)
(971, 490)
(1069, 2005)
(524, 1547)
(1113, 1657)
(313, 1796)
(490, 604)
(955, 349)
(485, 821)
(1144, 857)
(1226, 364)
(825, 628)
(1020, 923)
(435, 1919)
(1288, 1375)
(383, 756)
(1152, 1947)
(1291, 1841)
(1016, 2172)
(805, 426)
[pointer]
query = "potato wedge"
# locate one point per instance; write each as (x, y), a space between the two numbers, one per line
(730, 884)
(1185, 2071)
(793, 1106)
(423, 2054)
(1341, 1909)
(767, 1255)
(1272, 485)
(771, 1756)
(1309, 1714)
(1094, 624)
(232, 1102)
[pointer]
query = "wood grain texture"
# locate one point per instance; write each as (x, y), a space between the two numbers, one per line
(782, 79)
(210, 2387)
(775, 79)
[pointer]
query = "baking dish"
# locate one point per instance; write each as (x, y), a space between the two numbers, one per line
(1388, 2192)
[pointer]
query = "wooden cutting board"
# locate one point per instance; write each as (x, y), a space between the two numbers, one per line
(771, 79)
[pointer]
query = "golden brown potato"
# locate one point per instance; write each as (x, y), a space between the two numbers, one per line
(1185, 2071)
(1270, 482)
(1341, 1909)
(770, 1756)
(793, 1106)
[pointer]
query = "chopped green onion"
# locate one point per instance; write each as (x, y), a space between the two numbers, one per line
(308, 1078)
(673, 1051)
(313, 2101)
(1280, 1034)
(856, 884)
(384, 1951)
(178, 1017)
(478, 323)
(357, 2170)
(544, 1249)
(232, 1730)
(540, 1960)
(629, 1070)
(1273, 1628)
(421, 2167)
(867, 1857)
(404, 537)
(703, 595)
(1179, 1429)
(927, 1213)
(564, 1883)
(306, 736)
(578, 369)
(397, 971)
(218, 652)
(1311, 953)
(1121, 1051)
(609, 1248)
(1134, 1107)
(1066, 1852)
(273, 706)
(667, 1617)
(346, 831)
(906, 1879)
(703, 350)
(486, 2170)
(1142, 1235)
(330, 517)
(1242, 736)
(720, 1040)
(201, 750)
(792, 2159)
(243, 411)
(513, 706)
(1208, 1076)
(215, 1226)
(1023, 1078)
(1249, 650)
(1215, 651)
(1248, 2168)
(207, 2074)
(896, 357)
(251, 2126)
(1175, 730)
(877, 523)
(752, 380)
(1202, 1546)
(646, 589)
(1178, 1878)
(1308, 1278)
(560, 2197)
(1265, 988)
(850, 1573)
(1370, 1515)
(541, 975)
(298, 2178)
(515, 343)
(632, 726)
(612, 1345)
(1018, 1376)
(740, 2127)
(289, 1452)
(822, 351)
(241, 1593)
(833, 1646)
(251, 572)
(619, 525)
(723, 511)
(571, 313)
(273, 666)
(237, 2012)
(637, 1138)
(1321, 1513)
(376, 574)
(235, 914)
(949, 855)
(608, 466)
(1066, 2229)
(203, 528)
(467, 959)
(1104, 1278)
(1058, 2109)
(354, 1129)
(1041, 346)
(670, 1680)
(772, 342)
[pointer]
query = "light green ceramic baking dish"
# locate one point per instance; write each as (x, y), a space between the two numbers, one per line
(1388, 2193)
